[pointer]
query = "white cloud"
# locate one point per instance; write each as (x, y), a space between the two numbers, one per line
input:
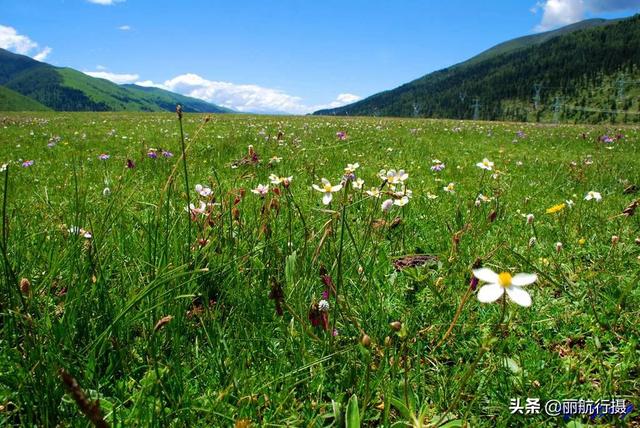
(341, 100)
(114, 77)
(243, 97)
(19, 43)
(105, 2)
(557, 13)
(43, 54)
(124, 27)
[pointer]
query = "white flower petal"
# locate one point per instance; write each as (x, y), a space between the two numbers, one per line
(326, 199)
(486, 275)
(519, 296)
(522, 279)
(490, 293)
(318, 188)
(336, 188)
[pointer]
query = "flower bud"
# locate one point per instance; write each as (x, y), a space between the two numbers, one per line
(614, 240)
(396, 325)
(365, 340)
(558, 247)
(530, 218)
(25, 286)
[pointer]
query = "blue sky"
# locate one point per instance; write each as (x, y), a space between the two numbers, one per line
(291, 56)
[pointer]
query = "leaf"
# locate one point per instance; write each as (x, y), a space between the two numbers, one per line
(290, 269)
(353, 413)
(447, 421)
(401, 408)
(512, 365)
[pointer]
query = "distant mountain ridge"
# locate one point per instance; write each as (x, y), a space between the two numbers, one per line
(577, 70)
(66, 89)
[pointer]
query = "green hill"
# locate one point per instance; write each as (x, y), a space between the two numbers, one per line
(168, 100)
(66, 89)
(586, 72)
(13, 101)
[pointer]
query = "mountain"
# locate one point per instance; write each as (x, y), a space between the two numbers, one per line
(13, 101)
(66, 89)
(584, 72)
(168, 100)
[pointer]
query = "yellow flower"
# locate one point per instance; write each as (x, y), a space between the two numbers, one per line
(556, 208)
(581, 241)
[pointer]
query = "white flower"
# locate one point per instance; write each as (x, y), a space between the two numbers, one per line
(569, 203)
(450, 188)
(351, 168)
(106, 192)
(327, 189)
(275, 180)
(261, 190)
(3, 168)
(203, 191)
(358, 184)
(482, 198)
(558, 247)
(323, 305)
(593, 195)
(485, 164)
(431, 196)
(193, 210)
(401, 202)
(497, 284)
(374, 192)
(532, 241)
(393, 177)
(75, 230)
(275, 159)
(386, 205)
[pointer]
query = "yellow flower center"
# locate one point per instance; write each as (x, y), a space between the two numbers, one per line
(504, 278)
(327, 187)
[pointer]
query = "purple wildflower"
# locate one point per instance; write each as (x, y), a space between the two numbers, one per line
(606, 139)
(130, 164)
(341, 135)
(167, 154)
(104, 156)
(152, 154)
(27, 163)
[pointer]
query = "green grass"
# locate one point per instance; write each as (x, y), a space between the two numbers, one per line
(226, 357)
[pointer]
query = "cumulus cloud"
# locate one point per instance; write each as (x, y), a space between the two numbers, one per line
(114, 77)
(43, 54)
(11, 40)
(243, 97)
(556, 13)
(124, 28)
(341, 100)
(105, 2)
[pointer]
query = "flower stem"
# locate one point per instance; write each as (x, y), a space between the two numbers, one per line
(186, 178)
